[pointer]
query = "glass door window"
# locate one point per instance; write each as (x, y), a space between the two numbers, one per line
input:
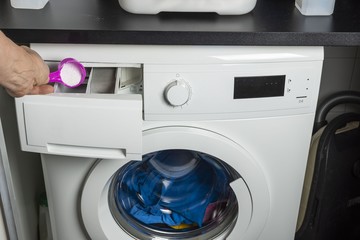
(176, 193)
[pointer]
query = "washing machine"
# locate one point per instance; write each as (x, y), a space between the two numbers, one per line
(175, 142)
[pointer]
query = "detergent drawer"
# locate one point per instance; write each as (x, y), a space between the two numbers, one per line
(97, 119)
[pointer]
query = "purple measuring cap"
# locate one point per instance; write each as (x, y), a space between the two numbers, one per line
(70, 73)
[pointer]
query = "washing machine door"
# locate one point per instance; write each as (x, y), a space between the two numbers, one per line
(113, 207)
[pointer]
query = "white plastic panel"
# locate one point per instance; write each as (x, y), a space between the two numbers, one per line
(115, 55)
(212, 89)
(106, 126)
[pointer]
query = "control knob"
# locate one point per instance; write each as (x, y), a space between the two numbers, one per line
(177, 93)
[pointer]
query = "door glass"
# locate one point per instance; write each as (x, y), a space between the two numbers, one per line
(177, 193)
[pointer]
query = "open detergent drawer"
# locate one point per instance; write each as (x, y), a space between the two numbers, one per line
(102, 118)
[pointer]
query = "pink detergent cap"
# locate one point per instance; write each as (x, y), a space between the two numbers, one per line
(70, 73)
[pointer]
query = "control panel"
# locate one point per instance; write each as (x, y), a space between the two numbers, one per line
(227, 91)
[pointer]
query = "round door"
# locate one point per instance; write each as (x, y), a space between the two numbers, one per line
(191, 184)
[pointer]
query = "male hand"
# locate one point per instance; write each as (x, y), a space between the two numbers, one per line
(22, 70)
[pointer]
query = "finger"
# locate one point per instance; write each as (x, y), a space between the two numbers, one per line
(43, 71)
(15, 93)
(11, 93)
(43, 80)
(43, 89)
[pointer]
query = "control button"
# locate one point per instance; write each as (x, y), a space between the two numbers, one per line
(177, 93)
(302, 99)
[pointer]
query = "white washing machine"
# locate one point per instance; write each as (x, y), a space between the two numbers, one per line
(175, 142)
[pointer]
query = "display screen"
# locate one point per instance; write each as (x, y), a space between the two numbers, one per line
(259, 86)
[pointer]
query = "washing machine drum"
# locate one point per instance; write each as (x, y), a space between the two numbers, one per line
(174, 192)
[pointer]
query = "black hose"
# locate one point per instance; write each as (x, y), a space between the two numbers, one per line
(332, 101)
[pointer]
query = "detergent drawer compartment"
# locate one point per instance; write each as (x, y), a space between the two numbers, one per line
(94, 120)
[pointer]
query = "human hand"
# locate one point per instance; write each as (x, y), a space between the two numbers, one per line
(23, 71)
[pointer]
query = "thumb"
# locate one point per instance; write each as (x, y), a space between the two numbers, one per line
(42, 89)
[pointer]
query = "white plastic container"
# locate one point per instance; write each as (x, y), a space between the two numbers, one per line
(228, 7)
(28, 4)
(315, 7)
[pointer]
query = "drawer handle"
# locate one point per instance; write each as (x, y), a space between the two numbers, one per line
(84, 151)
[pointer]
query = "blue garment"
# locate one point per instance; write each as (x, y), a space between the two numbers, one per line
(154, 198)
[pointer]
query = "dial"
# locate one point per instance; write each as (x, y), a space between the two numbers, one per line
(177, 93)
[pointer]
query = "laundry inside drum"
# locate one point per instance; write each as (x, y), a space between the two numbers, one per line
(174, 194)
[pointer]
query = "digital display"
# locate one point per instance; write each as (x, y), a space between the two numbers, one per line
(259, 86)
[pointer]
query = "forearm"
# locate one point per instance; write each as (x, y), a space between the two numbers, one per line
(8, 53)
(5, 45)
(22, 71)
